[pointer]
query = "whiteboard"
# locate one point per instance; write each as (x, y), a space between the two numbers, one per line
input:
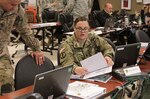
(146, 1)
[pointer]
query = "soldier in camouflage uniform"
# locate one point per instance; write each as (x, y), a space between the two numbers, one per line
(10, 10)
(54, 5)
(78, 8)
(83, 45)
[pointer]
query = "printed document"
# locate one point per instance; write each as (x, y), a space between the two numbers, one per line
(84, 90)
(96, 65)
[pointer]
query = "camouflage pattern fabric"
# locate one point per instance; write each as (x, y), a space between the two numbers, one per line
(9, 20)
(78, 8)
(71, 52)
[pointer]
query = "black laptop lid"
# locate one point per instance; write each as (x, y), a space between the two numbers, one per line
(126, 55)
(53, 82)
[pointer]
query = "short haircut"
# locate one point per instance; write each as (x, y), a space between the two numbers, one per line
(80, 19)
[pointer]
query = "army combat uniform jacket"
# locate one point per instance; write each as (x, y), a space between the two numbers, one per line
(71, 52)
(8, 20)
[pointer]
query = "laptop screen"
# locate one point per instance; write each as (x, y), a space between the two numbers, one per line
(54, 82)
(126, 55)
(109, 24)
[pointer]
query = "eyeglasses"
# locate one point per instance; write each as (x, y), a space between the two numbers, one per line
(80, 29)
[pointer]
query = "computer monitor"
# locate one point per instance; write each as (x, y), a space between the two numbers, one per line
(126, 55)
(53, 82)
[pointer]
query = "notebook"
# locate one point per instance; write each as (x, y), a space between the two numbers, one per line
(53, 82)
(126, 55)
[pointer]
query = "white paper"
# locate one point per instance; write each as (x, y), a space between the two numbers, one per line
(144, 44)
(44, 24)
(108, 69)
(85, 90)
(96, 65)
(132, 70)
(98, 32)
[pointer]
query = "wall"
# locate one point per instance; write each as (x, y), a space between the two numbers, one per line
(117, 5)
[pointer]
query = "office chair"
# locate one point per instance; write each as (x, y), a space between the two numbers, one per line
(141, 36)
(96, 15)
(27, 69)
(66, 21)
(49, 16)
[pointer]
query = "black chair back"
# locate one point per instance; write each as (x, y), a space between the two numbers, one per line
(49, 16)
(141, 36)
(95, 15)
(66, 21)
(27, 69)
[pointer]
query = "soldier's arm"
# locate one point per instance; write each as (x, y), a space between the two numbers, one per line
(66, 56)
(24, 30)
(69, 7)
(105, 47)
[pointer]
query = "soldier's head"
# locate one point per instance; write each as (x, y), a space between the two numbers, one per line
(108, 8)
(81, 29)
(9, 5)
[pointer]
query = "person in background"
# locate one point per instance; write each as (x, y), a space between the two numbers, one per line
(144, 13)
(78, 8)
(12, 14)
(50, 5)
(106, 13)
(82, 45)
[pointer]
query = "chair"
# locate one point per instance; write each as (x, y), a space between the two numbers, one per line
(49, 16)
(96, 15)
(31, 13)
(141, 36)
(66, 21)
(26, 69)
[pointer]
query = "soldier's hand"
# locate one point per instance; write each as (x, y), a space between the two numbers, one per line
(109, 61)
(80, 71)
(39, 57)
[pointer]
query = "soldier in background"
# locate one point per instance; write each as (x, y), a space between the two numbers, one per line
(10, 10)
(83, 45)
(78, 8)
(106, 13)
(50, 5)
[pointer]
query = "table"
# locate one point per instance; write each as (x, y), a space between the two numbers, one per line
(43, 26)
(111, 85)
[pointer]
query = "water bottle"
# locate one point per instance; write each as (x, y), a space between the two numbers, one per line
(140, 21)
(126, 21)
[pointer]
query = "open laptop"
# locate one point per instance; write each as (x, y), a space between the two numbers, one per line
(126, 55)
(52, 83)
(109, 25)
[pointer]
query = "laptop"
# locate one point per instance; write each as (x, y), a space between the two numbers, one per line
(126, 57)
(51, 84)
(109, 25)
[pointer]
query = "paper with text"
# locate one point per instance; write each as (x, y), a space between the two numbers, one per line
(96, 65)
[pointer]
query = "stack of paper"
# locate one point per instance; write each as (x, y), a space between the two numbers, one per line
(84, 90)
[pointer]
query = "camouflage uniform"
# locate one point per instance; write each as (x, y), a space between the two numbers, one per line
(8, 20)
(71, 52)
(43, 4)
(78, 8)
